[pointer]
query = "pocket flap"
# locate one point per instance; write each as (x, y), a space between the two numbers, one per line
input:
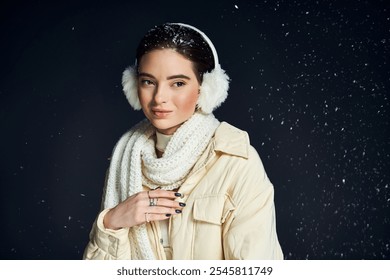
(212, 209)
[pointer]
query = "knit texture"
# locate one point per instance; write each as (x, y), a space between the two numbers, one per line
(134, 164)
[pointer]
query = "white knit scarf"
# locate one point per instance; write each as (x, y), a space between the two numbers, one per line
(134, 164)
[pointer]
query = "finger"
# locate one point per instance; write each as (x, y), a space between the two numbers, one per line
(163, 193)
(163, 210)
(149, 217)
(164, 202)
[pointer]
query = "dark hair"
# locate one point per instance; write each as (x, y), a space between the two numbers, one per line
(183, 40)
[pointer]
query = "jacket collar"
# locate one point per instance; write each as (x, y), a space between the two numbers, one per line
(231, 140)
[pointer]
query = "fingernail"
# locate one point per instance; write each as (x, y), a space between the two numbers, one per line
(178, 211)
(182, 204)
(177, 194)
(168, 215)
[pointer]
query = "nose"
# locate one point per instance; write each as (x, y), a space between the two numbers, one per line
(161, 95)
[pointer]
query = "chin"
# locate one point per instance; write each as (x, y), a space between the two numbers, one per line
(166, 128)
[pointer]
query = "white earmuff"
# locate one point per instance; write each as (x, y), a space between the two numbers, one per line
(130, 84)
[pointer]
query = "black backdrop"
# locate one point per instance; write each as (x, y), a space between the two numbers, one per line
(310, 82)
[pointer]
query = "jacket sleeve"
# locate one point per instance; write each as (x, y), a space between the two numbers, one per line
(106, 244)
(250, 231)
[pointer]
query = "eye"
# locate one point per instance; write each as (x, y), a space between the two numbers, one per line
(179, 84)
(147, 82)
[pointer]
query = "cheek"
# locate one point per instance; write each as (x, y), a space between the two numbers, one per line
(143, 97)
(188, 103)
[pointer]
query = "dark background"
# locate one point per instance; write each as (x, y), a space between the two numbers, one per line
(310, 83)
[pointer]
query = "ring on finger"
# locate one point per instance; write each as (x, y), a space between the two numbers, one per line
(153, 201)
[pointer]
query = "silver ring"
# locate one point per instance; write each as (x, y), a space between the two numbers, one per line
(153, 202)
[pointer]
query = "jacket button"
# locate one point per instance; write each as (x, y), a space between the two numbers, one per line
(111, 238)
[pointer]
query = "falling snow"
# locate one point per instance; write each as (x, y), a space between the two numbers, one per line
(310, 84)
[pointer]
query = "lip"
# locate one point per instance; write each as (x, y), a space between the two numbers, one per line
(161, 113)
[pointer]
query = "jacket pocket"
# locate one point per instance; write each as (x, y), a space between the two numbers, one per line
(213, 209)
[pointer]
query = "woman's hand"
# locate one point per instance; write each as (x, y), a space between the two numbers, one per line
(143, 207)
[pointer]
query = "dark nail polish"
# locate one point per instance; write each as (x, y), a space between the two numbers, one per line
(182, 204)
(177, 194)
(168, 215)
(178, 211)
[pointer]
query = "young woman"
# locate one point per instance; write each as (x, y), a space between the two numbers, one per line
(182, 185)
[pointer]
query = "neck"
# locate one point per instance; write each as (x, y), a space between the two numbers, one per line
(162, 143)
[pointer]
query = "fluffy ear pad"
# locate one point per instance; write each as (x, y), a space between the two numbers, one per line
(213, 91)
(129, 84)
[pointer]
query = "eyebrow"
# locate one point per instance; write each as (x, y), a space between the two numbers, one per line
(179, 76)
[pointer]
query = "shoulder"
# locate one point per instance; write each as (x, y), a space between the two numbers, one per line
(235, 142)
(241, 161)
(232, 140)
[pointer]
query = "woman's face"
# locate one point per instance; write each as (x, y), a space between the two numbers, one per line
(167, 89)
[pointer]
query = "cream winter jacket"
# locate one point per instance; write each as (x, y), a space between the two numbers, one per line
(229, 212)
